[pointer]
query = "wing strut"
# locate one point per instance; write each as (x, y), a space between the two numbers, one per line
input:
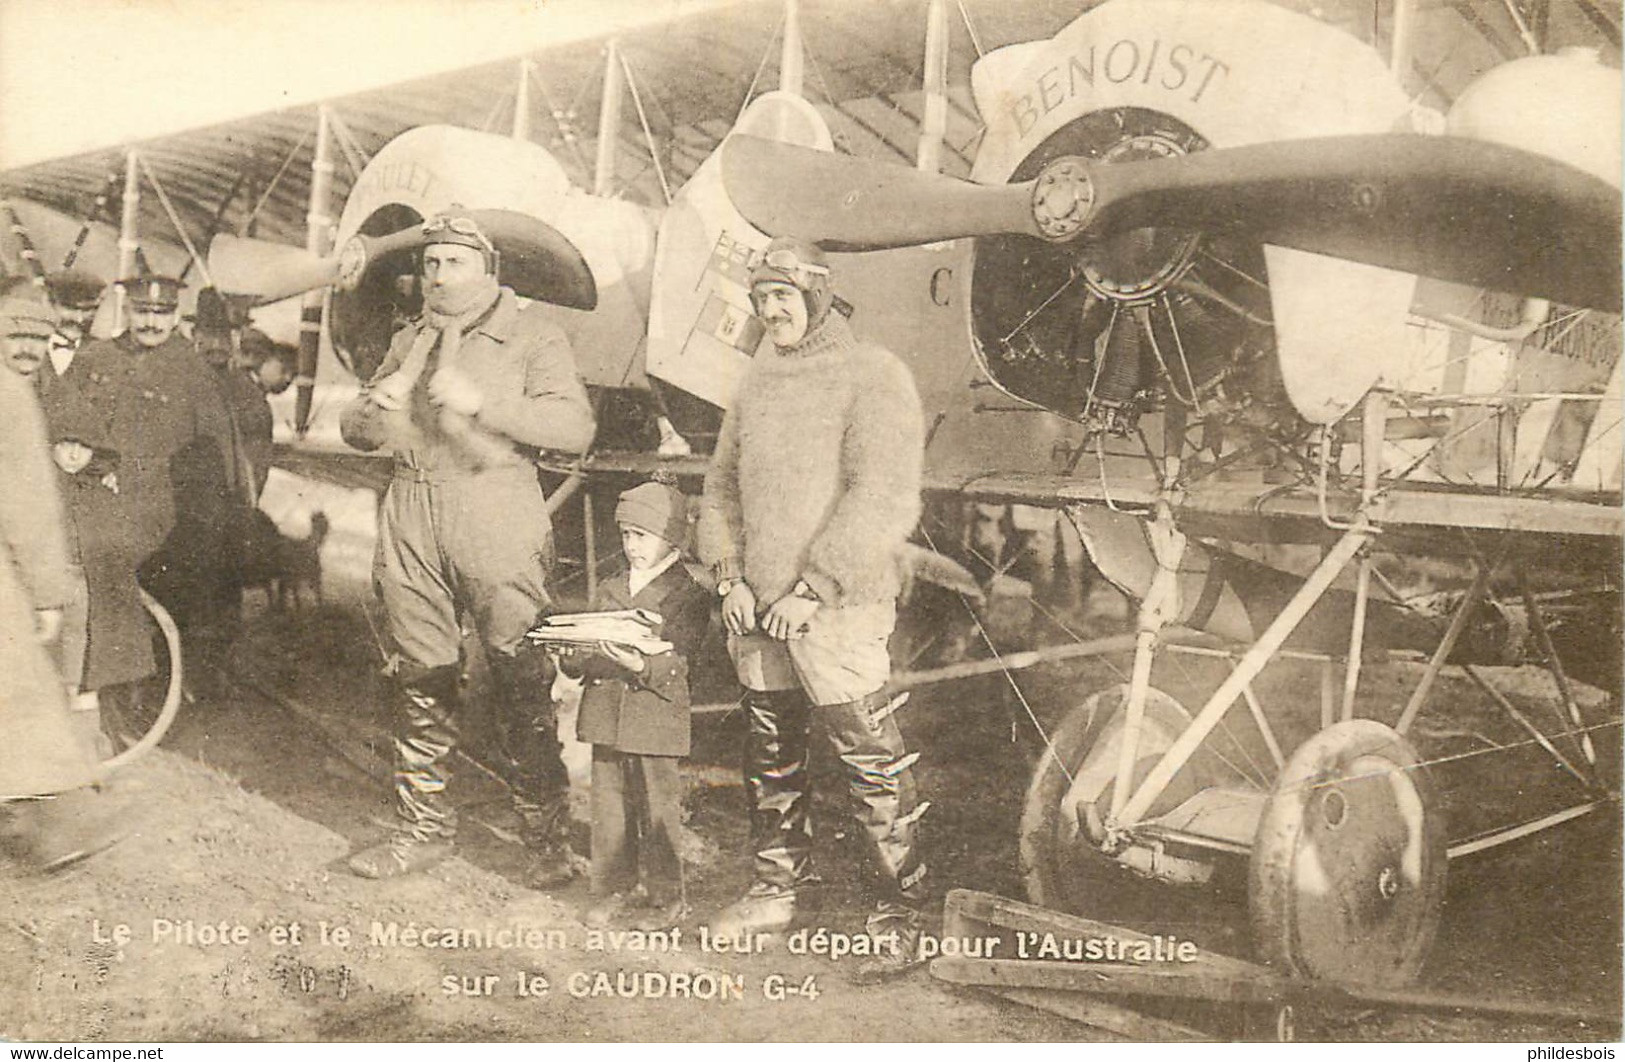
(318, 241)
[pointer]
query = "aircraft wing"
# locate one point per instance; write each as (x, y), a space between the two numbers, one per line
(222, 112)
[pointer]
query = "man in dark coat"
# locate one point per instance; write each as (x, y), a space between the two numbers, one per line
(164, 416)
(254, 375)
(76, 296)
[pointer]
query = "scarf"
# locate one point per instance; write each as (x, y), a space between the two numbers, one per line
(447, 331)
(831, 334)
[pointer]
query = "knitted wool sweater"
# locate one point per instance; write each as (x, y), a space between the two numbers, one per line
(816, 474)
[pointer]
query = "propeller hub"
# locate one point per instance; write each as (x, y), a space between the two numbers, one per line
(1063, 198)
(352, 263)
(1136, 265)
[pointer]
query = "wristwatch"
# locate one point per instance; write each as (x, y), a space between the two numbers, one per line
(802, 590)
(725, 586)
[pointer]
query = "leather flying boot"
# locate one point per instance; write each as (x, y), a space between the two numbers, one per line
(527, 729)
(546, 833)
(780, 822)
(427, 735)
(880, 786)
(765, 908)
(895, 927)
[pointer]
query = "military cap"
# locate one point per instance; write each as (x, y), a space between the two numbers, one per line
(74, 289)
(24, 311)
(217, 312)
(161, 293)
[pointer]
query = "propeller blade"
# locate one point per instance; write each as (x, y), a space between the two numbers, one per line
(853, 204)
(538, 262)
(268, 271)
(1461, 210)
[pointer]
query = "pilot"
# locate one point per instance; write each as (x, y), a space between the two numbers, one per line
(166, 420)
(76, 296)
(464, 394)
(49, 814)
(808, 578)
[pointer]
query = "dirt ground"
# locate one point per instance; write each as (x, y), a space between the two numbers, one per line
(240, 825)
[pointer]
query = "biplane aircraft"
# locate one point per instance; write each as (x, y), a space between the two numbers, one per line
(1307, 322)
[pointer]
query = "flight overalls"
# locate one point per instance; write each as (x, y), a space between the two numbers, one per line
(464, 531)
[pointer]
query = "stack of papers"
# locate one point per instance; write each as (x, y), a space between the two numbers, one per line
(633, 628)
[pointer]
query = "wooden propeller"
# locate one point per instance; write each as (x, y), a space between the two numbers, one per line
(536, 260)
(1461, 210)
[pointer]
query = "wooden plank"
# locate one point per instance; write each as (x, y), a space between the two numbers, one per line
(1210, 976)
(1255, 987)
(1175, 980)
(1105, 1015)
(968, 914)
(965, 910)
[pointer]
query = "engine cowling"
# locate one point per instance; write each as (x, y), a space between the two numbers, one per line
(1102, 331)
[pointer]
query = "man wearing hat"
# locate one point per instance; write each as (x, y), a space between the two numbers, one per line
(76, 296)
(165, 418)
(811, 494)
(48, 814)
(466, 393)
(30, 324)
(218, 584)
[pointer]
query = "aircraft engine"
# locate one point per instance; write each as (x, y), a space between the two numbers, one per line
(1102, 331)
(1105, 329)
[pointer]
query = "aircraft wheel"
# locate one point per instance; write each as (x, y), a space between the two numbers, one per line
(1062, 860)
(1347, 875)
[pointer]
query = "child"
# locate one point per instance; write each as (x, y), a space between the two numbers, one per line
(634, 712)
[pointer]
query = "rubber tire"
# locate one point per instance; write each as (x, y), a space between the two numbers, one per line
(1298, 813)
(1065, 872)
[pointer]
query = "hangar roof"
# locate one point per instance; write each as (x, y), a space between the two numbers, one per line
(694, 63)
